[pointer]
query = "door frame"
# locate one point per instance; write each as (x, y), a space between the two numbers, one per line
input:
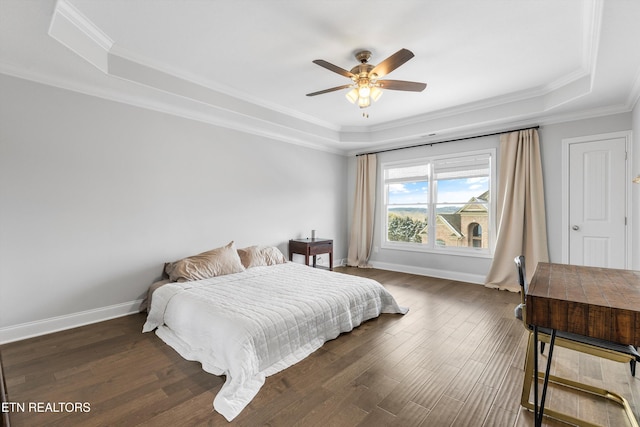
(566, 145)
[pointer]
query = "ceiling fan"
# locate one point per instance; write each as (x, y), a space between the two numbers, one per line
(365, 77)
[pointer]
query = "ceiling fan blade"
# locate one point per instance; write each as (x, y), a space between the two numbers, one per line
(329, 66)
(402, 85)
(392, 62)
(333, 89)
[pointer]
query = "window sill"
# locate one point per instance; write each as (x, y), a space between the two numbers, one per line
(463, 252)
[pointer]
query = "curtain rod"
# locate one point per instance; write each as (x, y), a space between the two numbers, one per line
(450, 140)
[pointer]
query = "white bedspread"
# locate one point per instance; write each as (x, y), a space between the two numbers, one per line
(253, 324)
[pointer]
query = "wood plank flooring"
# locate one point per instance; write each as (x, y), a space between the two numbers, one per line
(456, 359)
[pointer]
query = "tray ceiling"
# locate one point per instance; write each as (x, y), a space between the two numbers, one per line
(248, 64)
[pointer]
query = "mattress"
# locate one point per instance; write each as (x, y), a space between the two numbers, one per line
(253, 324)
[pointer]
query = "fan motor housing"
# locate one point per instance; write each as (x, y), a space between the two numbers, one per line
(362, 70)
(363, 56)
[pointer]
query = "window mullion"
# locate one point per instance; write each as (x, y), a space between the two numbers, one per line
(432, 211)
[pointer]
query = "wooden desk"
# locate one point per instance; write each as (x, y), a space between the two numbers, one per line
(311, 247)
(595, 302)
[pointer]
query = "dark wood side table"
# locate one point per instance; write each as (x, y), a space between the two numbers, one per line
(311, 247)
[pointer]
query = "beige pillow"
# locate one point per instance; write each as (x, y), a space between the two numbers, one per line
(216, 262)
(145, 305)
(255, 256)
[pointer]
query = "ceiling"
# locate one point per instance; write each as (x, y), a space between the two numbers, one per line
(247, 64)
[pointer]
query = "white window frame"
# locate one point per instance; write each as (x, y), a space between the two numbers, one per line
(430, 247)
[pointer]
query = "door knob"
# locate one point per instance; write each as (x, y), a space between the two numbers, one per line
(575, 228)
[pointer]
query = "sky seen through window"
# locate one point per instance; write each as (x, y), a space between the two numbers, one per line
(459, 190)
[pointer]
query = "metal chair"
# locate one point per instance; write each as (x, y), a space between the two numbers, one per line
(596, 347)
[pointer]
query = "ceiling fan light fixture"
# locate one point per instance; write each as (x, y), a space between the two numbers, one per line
(364, 102)
(376, 93)
(364, 91)
(352, 95)
(365, 84)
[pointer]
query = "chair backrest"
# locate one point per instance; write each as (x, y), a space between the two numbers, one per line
(522, 276)
(522, 280)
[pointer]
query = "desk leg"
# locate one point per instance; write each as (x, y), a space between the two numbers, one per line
(545, 384)
(535, 377)
(530, 367)
(331, 260)
(314, 261)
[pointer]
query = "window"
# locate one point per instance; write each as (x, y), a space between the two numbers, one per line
(439, 204)
(475, 235)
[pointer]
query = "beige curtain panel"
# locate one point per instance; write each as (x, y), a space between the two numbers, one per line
(522, 228)
(361, 237)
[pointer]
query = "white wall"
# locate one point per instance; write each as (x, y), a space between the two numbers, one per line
(551, 136)
(96, 195)
(635, 188)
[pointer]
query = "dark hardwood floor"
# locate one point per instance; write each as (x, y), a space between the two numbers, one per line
(456, 359)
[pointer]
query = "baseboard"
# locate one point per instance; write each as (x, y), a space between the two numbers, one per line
(431, 272)
(342, 262)
(60, 323)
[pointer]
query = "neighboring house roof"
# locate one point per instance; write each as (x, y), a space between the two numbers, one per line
(452, 221)
(476, 204)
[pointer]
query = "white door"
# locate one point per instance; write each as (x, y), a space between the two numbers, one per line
(597, 217)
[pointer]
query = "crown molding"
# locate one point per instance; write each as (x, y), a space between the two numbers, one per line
(177, 107)
(634, 94)
(75, 31)
(66, 10)
(494, 126)
(174, 91)
(545, 93)
(367, 140)
(134, 57)
(478, 115)
(592, 25)
(195, 98)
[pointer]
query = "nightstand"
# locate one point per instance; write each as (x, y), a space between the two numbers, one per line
(311, 247)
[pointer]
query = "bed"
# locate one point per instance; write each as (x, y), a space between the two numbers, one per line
(253, 323)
